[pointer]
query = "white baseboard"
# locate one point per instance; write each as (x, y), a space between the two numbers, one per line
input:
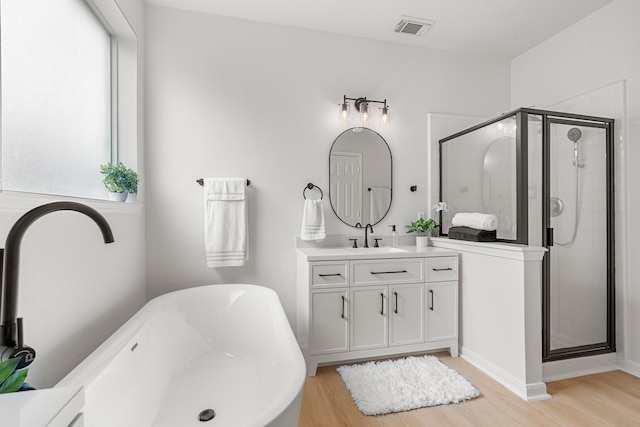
(630, 367)
(578, 367)
(528, 392)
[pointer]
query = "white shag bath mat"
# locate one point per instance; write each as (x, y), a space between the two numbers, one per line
(400, 385)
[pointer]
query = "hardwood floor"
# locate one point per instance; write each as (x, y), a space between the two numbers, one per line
(607, 399)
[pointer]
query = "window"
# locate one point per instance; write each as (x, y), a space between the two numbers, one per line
(58, 96)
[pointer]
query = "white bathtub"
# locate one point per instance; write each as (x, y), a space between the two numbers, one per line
(223, 347)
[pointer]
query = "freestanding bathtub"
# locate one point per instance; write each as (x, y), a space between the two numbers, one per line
(223, 349)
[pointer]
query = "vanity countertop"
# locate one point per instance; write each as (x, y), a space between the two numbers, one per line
(386, 252)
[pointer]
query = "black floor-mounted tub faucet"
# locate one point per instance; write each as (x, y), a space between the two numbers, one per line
(11, 344)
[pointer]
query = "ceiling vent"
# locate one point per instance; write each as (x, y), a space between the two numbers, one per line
(413, 26)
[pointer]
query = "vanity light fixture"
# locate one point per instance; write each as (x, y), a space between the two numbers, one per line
(362, 106)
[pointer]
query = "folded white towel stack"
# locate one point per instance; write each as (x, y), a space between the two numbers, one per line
(313, 221)
(476, 220)
(225, 222)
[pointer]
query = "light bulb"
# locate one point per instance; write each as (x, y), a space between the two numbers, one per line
(343, 113)
(384, 117)
(364, 113)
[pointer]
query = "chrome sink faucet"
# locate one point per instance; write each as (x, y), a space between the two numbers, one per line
(11, 334)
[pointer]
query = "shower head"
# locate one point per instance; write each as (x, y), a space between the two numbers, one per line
(574, 134)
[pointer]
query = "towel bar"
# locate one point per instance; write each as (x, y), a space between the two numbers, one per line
(201, 181)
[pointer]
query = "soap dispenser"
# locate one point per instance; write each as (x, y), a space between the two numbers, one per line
(394, 236)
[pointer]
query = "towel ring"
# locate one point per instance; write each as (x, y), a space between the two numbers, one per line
(311, 186)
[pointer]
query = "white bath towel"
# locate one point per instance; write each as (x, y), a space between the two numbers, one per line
(379, 202)
(225, 222)
(313, 221)
(476, 220)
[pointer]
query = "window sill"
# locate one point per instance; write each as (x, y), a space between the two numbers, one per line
(12, 202)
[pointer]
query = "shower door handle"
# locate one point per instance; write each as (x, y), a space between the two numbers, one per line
(549, 236)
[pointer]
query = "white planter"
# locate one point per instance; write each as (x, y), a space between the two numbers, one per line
(422, 241)
(132, 198)
(118, 197)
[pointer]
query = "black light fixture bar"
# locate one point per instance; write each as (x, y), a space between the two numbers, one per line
(358, 101)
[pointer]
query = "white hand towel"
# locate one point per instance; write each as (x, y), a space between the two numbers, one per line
(379, 202)
(476, 220)
(225, 222)
(313, 221)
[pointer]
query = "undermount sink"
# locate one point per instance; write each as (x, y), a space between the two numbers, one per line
(381, 250)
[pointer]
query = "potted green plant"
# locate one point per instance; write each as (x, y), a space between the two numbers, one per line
(421, 228)
(11, 379)
(119, 180)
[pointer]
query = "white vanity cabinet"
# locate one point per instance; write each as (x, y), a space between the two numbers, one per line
(406, 314)
(441, 301)
(359, 307)
(369, 317)
(329, 326)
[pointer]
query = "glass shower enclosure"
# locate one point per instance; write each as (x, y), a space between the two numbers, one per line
(549, 178)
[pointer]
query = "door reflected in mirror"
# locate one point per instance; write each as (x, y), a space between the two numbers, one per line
(360, 177)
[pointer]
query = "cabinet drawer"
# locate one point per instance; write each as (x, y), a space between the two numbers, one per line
(369, 272)
(328, 274)
(442, 269)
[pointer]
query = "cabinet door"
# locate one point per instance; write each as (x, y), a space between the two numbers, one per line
(329, 321)
(406, 314)
(441, 307)
(369, 317)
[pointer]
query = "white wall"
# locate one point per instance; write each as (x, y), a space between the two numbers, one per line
(227, 97)
(596, 52)
(75, 290)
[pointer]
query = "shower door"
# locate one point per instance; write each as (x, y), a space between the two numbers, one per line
(578, 216)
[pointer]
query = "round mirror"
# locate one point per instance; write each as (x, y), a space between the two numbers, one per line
(360, 177)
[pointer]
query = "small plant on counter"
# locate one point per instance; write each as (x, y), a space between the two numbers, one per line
(11, 379)
(421, 226)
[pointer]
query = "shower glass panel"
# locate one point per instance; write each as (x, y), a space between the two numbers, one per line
(577, 214)
(479, 174)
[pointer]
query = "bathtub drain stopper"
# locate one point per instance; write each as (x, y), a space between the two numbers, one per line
(206, 415)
